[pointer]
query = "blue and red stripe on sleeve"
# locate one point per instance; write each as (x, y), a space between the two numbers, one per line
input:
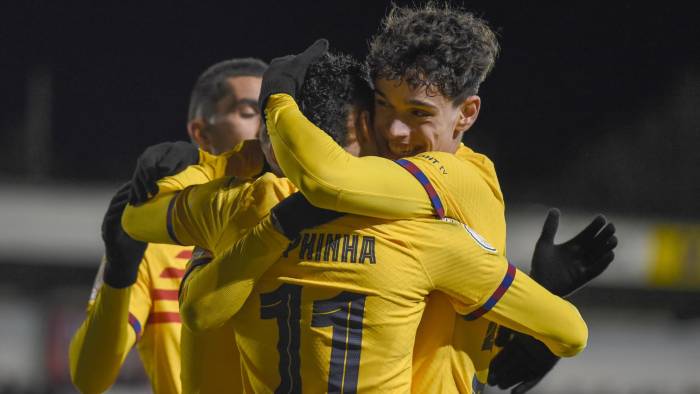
(425, 182)
(136, 325)
(496, 296)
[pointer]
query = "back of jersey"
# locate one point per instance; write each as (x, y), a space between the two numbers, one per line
(339, 311)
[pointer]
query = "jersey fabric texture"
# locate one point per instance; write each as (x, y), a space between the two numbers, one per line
(144, 314)
(339, 263)
(209, 363)
(450, 353)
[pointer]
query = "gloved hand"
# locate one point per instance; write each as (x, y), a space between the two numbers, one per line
(159, 161)
(286, 74)
(523, 361)
(123, 253)
(295, 213)
(565, 267)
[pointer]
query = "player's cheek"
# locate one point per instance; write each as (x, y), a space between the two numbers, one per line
(381, 123)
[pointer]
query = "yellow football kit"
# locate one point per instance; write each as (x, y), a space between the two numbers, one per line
(145, 314)
(199, 215)
(345, 300)
(461, 185)
(209, 362)
(213, 216)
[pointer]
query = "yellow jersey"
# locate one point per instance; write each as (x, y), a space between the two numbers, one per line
(209, 362)
(144, 314)
(449, 353)
(339, 311)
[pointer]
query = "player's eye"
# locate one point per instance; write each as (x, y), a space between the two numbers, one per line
(380, 102)
(420, 113)
(248, 112)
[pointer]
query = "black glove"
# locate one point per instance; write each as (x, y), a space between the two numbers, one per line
(286, 74)
(123, 253)
(565, 267)
(159, 161)
(523, 361)
(295, 213)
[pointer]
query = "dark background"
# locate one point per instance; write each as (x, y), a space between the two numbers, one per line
(591, 105)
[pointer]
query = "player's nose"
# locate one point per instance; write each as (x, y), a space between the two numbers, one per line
(398, 130)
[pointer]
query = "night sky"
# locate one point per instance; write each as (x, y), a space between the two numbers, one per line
(590, 105)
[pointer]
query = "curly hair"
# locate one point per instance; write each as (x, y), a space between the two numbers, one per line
(445, 49)
(332, 88)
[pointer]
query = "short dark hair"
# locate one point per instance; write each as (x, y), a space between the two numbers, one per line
(211, 85)
(439, 47)
(333, 87)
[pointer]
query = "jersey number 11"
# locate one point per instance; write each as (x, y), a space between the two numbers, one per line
(343, 312)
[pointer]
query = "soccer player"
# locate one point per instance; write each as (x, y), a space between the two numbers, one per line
(203, 226)
(427, 64)
(134, 299)
(149, 219)
(332, 260)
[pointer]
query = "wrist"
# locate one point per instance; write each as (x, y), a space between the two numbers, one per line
(118, 275)
(276, 223)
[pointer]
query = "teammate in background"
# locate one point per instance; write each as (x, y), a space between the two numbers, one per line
(204, 215)
(134, 299)
(427, 64)
(197, 216)
(149, 218)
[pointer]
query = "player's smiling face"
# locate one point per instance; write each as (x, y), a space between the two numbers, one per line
(408, 121)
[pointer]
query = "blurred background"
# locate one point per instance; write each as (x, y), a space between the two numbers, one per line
(592, 107)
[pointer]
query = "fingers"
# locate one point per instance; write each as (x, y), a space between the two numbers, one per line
(281, 59)
(123, 189)
(313, 52)
(602, 245)
(316, 50)
(172, 164)
(134, 198)
(139, 189)
(608, 245)
(504, 336)
(175, 158)
(600, 265)
(524, 387)
(496, 368)
(157, 161)
(551, 223)
(507, 369)
(145, 174)
(525, 361)
(591, 230)
(147, 181)
(169, 159)
(138, 193)
(606, 232)
(152, 188)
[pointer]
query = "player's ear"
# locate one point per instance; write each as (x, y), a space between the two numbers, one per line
(195, 128)
(468, 112)
(365, 134)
